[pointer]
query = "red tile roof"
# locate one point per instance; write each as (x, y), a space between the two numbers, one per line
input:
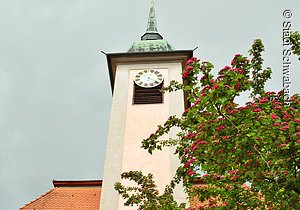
(69, 195)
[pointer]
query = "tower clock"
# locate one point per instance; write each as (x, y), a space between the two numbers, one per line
(148, 78)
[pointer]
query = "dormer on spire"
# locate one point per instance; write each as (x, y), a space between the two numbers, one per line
(151, 32)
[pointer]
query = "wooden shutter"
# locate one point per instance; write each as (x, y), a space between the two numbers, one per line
(147, 95)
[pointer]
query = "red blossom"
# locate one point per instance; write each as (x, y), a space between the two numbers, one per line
(190, 172)
(220, 77)
(215, 87)
(234, 59)
(298, 141)
(192, 160)
(284, 128)
(280, 92)
(287, 116)
(189, 163)
(206, 87)
(276, 102)
(220, 127)
(189, 68)
(243, 108)
(233, 172)
(200, 126)
(250, 104)
(263, 101)
(237, 86)
(257, 110)
(191, 60)
(297, 120)
(185, 75)
(216, 176)
(185, 111)
(194, 147)
(191, 135)
(277, 107)
(274, 116)
(186, 165)
(225, 69)
(240, 71)
(202, 78)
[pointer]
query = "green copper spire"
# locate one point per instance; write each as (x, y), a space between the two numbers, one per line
(152, 25)
(151, 32)
(151, 41)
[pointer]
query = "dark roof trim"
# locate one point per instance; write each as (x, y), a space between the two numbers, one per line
(150, 53)
(77, 183)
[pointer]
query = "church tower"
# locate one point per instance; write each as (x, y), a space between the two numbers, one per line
(138, 107)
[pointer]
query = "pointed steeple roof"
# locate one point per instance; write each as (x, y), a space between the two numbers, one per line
(152, 25)
(151, 41)
(151, 32)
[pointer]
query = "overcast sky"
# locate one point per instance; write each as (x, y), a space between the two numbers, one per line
(55, 95)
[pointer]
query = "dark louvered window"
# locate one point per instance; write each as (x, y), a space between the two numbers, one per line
(143, 95)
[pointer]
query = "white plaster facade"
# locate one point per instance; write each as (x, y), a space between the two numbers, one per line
(130, 123)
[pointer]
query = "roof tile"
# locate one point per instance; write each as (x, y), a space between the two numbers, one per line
(67, 198)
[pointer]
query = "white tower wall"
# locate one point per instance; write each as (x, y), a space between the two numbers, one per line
(130, 123)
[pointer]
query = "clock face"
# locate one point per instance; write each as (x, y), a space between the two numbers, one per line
(148, 78)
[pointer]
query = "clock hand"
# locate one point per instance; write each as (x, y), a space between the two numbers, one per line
(150, 78)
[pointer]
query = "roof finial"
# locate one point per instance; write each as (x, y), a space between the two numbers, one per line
(152, 25)
(152, 3)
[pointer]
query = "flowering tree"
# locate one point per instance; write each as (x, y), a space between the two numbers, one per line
(247, 155)
(295, 41)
